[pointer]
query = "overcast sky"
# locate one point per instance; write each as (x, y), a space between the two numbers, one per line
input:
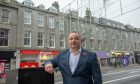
(130, 9)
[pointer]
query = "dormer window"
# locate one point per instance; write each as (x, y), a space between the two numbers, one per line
(41, 6)
(122, 27)
(52, 9)
(28, 2)
(108, 23)
(114, 25)
(118, 26)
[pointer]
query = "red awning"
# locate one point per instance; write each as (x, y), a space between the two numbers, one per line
(37, 52)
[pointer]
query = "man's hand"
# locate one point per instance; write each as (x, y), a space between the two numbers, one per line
(49, 68)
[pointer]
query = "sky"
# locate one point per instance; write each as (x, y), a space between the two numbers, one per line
(124, 11)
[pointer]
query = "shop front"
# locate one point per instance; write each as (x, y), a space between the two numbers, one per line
(35, 58)
(29, 64)
(103, 57)
(137, 56)
(116, 58)
(121, 58)
(45, 55)
(5, 62)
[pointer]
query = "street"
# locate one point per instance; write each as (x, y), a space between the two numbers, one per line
(121, 76)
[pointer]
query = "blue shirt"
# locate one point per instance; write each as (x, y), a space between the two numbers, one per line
(74, 59)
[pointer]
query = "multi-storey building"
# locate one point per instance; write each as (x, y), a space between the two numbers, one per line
(34, 34)
(8, 34)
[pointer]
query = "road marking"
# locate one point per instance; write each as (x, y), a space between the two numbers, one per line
(121, 79)
(110, 80)
(133, 71)
(121, 72)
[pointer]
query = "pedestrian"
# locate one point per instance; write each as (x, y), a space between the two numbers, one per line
(77, 65)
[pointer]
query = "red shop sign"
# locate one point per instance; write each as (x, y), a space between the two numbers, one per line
(29, 64)
(37, 52)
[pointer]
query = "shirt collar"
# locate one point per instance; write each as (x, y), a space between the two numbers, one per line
(79, 51)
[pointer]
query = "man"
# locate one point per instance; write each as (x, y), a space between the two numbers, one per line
(77, 65)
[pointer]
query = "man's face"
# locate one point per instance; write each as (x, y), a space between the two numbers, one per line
(74, 40)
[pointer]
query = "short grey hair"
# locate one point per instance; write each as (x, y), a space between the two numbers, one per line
(82, 38)
(76, 32)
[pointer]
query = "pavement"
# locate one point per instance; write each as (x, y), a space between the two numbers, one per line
(2, 81)
(104, 69)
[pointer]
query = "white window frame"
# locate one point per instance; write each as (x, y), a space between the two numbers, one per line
(126, 34)
(108, 23)
(27, 17)
(122, 44)
(139, 45)
(106, 45)
(51, 22)
(74, 26)
(28, 3)
(40, 38)
(121, 34)
(62, 40)
(52, 41)
(28, 37)
(99, 44)
(92, 34)
(92, 43)
(61, 24)
(113, 33)
(5, 15)
(129, 47)
(4, 36)
(135, 45)
(97, 29)
(104, 32)
(83, 30)
(40, 20)
(114, 44)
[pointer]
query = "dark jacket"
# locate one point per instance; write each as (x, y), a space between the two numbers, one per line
(86, 72)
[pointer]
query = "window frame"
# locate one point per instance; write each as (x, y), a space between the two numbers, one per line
(40, 20)
(52, 41)
(40, 39)
(27, 17)
(28, 38)
(63, 41)
(61, 24)
(4, 38)
(51, 22)
(5, 15)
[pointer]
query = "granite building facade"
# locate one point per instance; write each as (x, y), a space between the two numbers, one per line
(35, 34)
